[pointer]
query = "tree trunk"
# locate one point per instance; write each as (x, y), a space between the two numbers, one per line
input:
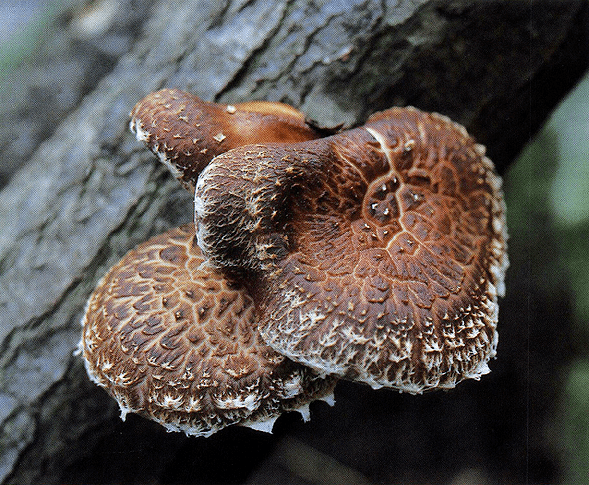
(90, 192)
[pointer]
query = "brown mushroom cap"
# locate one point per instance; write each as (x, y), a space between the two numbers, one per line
(173, 340)
(187, 132)
(377, 254)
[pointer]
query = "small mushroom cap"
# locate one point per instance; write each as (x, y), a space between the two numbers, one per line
(187, 132)
(378, 254)
(173, 340)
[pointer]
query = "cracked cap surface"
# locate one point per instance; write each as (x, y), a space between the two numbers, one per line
(378, 254)
(187, 133)
(173, 340)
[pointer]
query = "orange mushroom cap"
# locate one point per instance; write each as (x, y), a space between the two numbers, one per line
(187, 132)
(175, 341)
(377, 254)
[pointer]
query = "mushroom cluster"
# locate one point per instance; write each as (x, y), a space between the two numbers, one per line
(376, 254)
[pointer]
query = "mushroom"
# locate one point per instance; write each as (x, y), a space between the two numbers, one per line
(187, 132)
(167, 335)
(376, 254)
(172, 339)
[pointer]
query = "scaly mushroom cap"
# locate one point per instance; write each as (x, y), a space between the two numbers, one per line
(377, 254)
(173, 340)
(187, 132)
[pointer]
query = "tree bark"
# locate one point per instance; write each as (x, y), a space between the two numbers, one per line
(90, 192)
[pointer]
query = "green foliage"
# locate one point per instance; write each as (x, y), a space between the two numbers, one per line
(22, 43)
(569, 194)
(576, 424)
(548, 199)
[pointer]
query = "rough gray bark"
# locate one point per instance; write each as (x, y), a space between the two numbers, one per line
(68, 62)
(90, 192)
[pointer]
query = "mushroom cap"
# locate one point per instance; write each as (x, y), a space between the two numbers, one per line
(377, 254)
(175, 341)
(187, 132)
